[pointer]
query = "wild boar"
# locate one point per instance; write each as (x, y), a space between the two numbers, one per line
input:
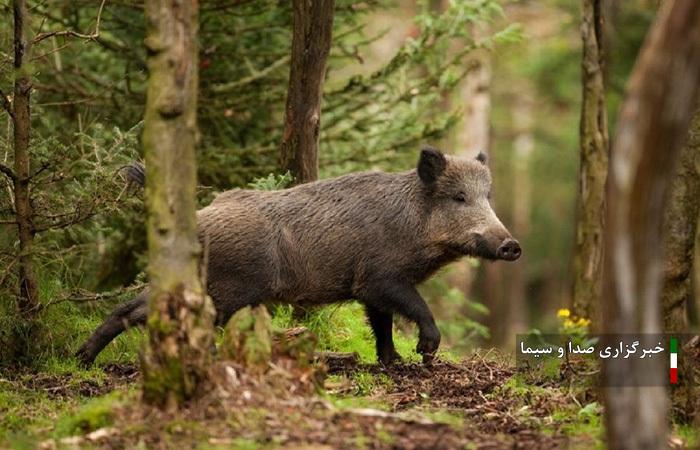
(369, 236)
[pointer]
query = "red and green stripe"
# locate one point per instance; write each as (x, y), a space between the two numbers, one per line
(674, 361)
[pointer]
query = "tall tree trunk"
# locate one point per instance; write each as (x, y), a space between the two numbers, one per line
(694, 307)
(680, 225)
(515, 307)
(311, 43)
(180, 319)
(593, 167)
(20, 176)
(651, 130)
(28, 290)
(473, 137)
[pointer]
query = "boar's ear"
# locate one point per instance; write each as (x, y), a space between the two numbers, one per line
(482, 158)
(431, 164)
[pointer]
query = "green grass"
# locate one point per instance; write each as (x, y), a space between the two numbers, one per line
(451, 418)
(689, 434)
(30, 415)
(94, 414)
(344, 328)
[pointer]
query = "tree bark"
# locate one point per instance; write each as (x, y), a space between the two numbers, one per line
(652, 126)
(593, 166)
(694, 307)
(473, 137)
(180, 319)
(311, 43)
(21, 119)
(680, 225)
(515, 309)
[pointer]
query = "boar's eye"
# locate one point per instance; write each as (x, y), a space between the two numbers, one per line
(460, 198)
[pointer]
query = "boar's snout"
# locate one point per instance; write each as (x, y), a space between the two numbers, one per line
(509, 250)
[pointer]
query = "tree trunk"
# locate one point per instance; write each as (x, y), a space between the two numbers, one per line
(473, 137)
(475, 133)
(28, 290)
(311, 43)
(652, 127)
(593, 169)
(515, 317)
(694, 307)
(180, 319)
(680, 225)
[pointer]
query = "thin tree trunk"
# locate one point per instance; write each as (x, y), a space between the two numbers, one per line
(680, 225)
(475, 132)
(651, 130)
(472, 138)
(180, 319)
(694, 307)
(311, 43)
(593, 168)
(515, 305)
(28, 288)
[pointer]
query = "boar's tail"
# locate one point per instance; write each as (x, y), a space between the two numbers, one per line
(135, 174)
(124, 316)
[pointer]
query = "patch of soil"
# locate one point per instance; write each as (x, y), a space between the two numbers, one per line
(493, 418)
(65, 385)
(281, 409)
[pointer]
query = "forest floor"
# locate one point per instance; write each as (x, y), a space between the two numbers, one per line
(477, 403)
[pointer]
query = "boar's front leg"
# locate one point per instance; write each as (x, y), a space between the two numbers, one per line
(381, 323)
(405, 300)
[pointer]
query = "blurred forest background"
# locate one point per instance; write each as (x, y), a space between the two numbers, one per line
(499, 77)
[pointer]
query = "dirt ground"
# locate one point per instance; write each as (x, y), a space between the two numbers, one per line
(408, 406)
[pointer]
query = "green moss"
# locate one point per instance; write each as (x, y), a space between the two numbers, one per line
(453, 419)
(95, 414)
(351, 401)
(237, 444)
(165, 381)
(248, 337)
(384, 437)
(367, 383)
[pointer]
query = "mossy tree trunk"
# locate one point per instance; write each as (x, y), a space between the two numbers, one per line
(20, 177)
(593, 166)
(180, 315)
(651, 130)
(680, 226)
(311, 43)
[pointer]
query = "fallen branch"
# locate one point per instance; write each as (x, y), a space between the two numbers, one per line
(84, 296)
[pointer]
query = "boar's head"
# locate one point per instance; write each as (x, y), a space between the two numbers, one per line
(461, 219)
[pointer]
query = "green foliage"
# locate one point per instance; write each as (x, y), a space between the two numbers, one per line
(272, 182)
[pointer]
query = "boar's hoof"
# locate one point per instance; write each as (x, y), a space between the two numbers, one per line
(389, 358)
(85, 359)
(428, 344)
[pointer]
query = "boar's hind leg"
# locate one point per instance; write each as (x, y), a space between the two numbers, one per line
(125, 315)
(381, 323)
(405, 300)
